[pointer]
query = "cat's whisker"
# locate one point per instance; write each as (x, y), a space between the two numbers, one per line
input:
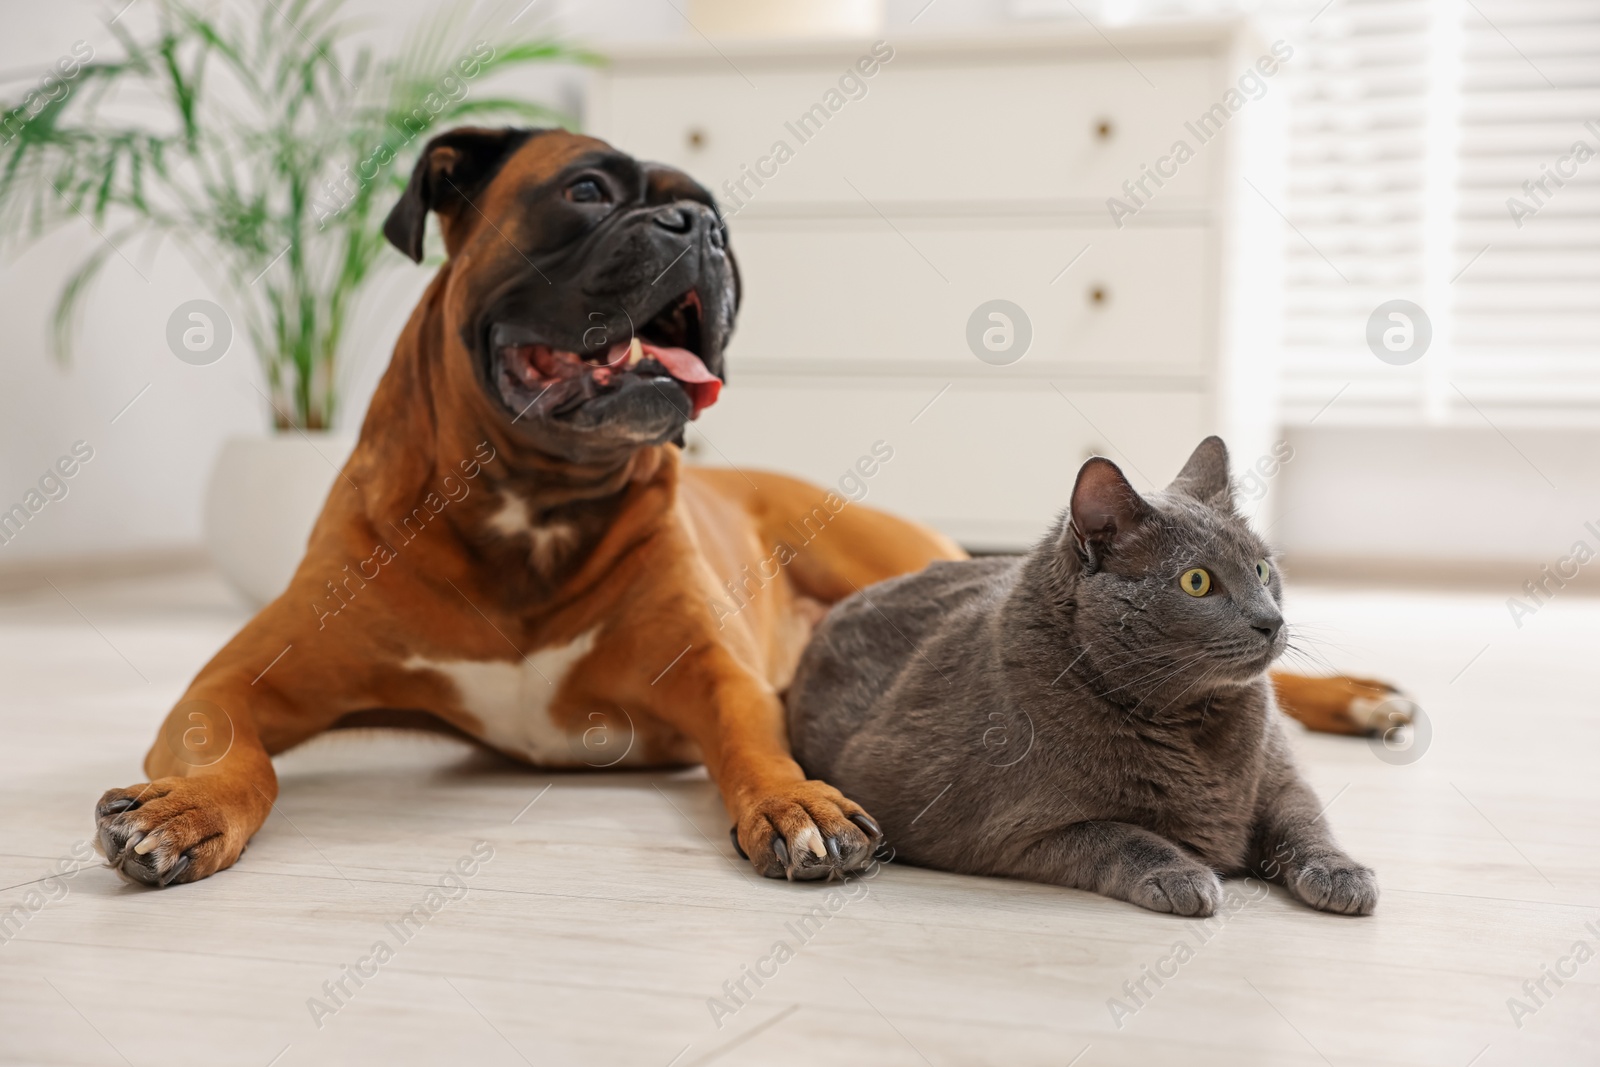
(1175, 671)
(1142, 656)
(1204, 675)
(1313, 664)
(1166, 666)
(1307, 632)
(1323, 626)
(1311, 642)
(1073, 664)
(1295, 656)
(1310, 655)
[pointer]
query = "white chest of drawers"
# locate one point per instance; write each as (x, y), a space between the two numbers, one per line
(964, 171)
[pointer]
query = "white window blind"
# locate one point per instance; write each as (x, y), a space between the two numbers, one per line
(1414, 123)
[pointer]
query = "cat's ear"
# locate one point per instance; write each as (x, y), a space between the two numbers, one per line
(1105, 507)
(1205, 477)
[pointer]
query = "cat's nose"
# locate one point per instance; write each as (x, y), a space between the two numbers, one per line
(1267, 625)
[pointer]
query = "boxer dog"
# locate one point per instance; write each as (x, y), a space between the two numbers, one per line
(516, 550)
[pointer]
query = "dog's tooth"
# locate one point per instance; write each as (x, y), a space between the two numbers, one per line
(635, 351)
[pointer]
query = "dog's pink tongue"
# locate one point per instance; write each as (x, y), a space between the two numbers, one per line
(702, 386)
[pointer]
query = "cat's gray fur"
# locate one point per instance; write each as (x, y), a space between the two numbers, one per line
(1072, 716)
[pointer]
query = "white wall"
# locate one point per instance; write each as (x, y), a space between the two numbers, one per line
(1451, 495)
(1443, 497)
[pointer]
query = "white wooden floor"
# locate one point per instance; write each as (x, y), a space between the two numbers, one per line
(613, 908)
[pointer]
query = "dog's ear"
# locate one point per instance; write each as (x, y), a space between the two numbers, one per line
(738, 281)
(453, 168)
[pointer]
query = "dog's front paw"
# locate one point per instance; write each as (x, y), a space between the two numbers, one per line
(1336, 884)
(806, 830)
(167, 831)
(1186, 889)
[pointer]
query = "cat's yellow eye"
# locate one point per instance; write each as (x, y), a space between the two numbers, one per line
(1263, 571)
(1196, 582)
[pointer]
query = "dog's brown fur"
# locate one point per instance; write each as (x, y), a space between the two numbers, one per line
(636, 554)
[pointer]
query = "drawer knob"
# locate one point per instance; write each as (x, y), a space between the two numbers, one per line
(1099, 295)
(696, 138)
(1104, 130)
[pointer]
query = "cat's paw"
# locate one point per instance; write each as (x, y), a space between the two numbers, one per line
(806, 830)
(1337, 884)
(1189, 889)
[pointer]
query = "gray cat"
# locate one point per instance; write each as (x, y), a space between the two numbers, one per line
(1095, 714)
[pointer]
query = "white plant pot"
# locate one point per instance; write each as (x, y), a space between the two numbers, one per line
(264, 496)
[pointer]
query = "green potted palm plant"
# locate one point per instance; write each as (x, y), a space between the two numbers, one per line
(266, 141)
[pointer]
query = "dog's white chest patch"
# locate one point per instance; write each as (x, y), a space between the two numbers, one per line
(513, 700)
(514, 516)
(546, 543)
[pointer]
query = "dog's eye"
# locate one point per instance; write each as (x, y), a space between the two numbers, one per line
(586, 191)
(1196, 581)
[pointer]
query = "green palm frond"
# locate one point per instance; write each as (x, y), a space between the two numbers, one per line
(268, 116)
(65, 318)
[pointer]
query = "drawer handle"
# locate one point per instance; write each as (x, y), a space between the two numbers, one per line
(1099, 295)
(696, 138)
(1104, 130)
